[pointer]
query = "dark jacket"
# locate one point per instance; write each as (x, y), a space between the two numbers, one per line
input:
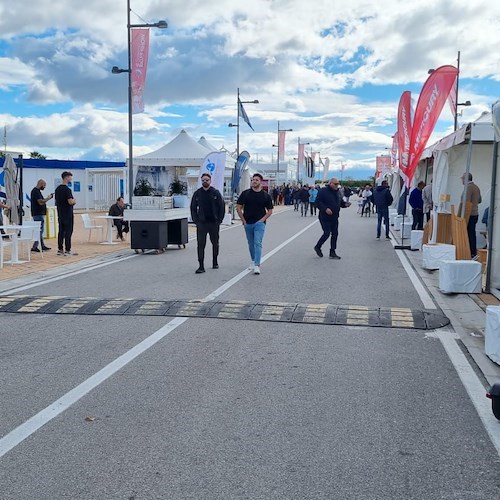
(218, 206)
(304, 195)
(329, 198)
(416, 202)
(382, 197)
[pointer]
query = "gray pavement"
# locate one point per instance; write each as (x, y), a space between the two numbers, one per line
(219, 408)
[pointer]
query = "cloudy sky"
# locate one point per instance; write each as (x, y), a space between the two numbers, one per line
(331, 70)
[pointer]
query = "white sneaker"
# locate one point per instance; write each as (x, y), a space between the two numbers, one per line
(256, 270)
(251, 266)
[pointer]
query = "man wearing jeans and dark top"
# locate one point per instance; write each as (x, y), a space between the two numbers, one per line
(207, 212)
(254, 207)
(65, 203)
(39, 210)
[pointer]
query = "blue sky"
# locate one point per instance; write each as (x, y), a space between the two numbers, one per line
(332, 71)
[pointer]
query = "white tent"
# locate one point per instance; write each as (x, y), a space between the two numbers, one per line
(171, 161)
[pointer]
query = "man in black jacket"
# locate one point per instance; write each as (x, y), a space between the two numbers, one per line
(329, 202)
(117, 210)
(382, 198)
(207, 212)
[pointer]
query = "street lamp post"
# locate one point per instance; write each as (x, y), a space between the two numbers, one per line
(237, 125)
(466, 103)
(115, 70)
(278, 162)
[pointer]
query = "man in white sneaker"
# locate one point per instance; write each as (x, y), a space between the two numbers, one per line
(254, 207)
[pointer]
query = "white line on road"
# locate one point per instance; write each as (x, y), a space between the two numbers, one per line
(22, 432)
(422, 292)
(472, 384)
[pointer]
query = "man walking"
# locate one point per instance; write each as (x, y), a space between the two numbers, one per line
(65, 203)
(329, 202)
(382, 198)
(39, 210)
(254, 207)
(207, 212)
(473, 196)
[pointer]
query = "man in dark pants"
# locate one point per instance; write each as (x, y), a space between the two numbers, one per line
(65, 203)
(207, 212)
(382, 198)
(473, 196)
(39, 210)
(329, 203)
(117, 210)
(417, 206)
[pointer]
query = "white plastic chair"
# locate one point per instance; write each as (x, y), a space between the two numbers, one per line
(36, 235)
(27, 235)
(4, 243)
(89, 225)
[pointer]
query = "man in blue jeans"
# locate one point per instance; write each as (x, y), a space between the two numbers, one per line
(39, 210)
(254, 207)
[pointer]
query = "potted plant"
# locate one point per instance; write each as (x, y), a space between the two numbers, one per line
(178, 190)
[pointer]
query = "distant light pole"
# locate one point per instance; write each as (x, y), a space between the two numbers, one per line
(466, 103)
(115, 70)
(278, 162)
(237, 125)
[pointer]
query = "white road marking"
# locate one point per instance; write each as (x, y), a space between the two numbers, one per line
(419, 287)
(23, 431)
(472, 384)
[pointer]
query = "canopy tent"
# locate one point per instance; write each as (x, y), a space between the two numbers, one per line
(171, 161)
(207, 144)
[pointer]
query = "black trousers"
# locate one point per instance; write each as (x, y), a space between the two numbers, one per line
(64, 235)
(330, 228)
(121, 226)
(212, 229)
(418, 219)
(471, 232)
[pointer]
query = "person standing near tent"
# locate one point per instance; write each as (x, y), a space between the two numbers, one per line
(427, 199)
(254, 207)
(472, 195)
(207, 212)
(417, 206)
(65, 203)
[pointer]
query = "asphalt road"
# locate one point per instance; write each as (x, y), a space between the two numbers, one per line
(228, 409)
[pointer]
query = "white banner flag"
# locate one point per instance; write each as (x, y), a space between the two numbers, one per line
(215, 164)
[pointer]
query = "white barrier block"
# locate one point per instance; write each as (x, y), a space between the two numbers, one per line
(406, 229)
(416, 239)
(397, 222)
(432, 255)
(460, 276)
(227, 220)
(492, 333)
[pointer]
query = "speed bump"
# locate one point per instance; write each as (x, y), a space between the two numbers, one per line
(285, 312)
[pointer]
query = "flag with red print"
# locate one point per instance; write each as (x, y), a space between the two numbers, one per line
(138, 67)
(430, 103)
(404, 131)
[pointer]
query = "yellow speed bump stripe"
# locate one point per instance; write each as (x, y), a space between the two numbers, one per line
(324, 314)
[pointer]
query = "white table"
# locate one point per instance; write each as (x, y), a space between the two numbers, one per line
(12, 231)
(109, 218)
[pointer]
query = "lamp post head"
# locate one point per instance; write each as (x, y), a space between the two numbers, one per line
(232, 125)
(161, 24)
(116, 70)
(466, 103)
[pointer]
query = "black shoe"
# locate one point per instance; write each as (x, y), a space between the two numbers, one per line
(215, 266)
(333, 255)
(45, 248)
(35, 249)
(200, 270)
(318, 251)
(387, 237)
